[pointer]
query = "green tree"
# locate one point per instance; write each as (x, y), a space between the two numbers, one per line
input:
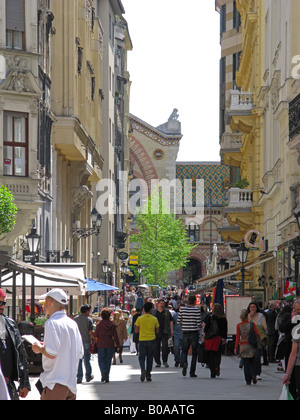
(161, 244)
(8, 210)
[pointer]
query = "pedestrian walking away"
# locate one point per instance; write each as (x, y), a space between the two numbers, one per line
(13, 357)
(166, 324)
(177, 336)
(189, 318)
(246, 350)
(122, 333)
(215, 334)
(61, 351)
(107, 339)
(85, 325)
(272, 333)
(146, 326)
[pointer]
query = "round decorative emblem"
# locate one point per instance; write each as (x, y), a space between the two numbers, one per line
(158, 154)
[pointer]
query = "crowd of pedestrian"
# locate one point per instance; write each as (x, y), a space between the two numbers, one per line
(173, 324)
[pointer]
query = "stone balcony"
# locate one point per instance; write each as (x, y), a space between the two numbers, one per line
(239, 198)
(27, 200)
(230, 150)
(240, 101)
(239, 209)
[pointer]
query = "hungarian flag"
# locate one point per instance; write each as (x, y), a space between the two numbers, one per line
(290, 290)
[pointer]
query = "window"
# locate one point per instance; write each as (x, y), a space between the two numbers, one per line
(193, 233)
(15, 24)
(236, 17)
(15, 139)
(223, 19)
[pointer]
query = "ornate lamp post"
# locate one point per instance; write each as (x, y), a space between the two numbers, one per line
(33, 240)
(243, 254)
(105, 267)
(123, 269)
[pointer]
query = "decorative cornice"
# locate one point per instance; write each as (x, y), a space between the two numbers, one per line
(154, 134)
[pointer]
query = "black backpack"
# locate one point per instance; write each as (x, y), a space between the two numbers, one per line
(212, 328)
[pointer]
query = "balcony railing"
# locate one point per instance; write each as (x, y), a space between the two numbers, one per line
(240, 101)
(294, 117)
(239, 198)
(23, 189)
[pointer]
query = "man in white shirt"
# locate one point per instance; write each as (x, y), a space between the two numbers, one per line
(62, 349)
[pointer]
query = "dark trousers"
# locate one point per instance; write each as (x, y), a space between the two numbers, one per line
(146, 354)
(12, 390)
(161, 341)
(190, 339)
(249, 369)
(273, 339)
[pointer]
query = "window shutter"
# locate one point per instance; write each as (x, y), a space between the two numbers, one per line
(15, 15)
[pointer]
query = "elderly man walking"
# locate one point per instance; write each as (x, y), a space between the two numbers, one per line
(62, 349)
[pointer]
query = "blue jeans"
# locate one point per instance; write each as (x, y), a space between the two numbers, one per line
(190, 339)
(146, 351)
(104, 360)
(87, 364)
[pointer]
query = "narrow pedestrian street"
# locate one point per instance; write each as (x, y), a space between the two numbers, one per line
(168, 384)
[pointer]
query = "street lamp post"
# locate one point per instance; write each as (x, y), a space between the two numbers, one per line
(33, 240)
(243, 254)
(105, 267)
(140, 269)
(123, 269)
(66, 258)
(96, 220)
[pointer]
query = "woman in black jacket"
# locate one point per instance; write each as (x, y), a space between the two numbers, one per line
(215, 334)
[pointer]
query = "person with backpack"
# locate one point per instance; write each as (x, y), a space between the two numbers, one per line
(247, 347)
(215, 334)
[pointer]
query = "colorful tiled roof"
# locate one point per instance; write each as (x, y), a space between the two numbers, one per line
(215, 177)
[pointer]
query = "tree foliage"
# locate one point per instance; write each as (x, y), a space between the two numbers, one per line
(161, 244)
(8, 210)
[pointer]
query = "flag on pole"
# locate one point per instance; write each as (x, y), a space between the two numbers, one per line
(290, 290)
(218, 293)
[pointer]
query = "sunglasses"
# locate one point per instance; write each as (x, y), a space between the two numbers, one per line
(2, 303)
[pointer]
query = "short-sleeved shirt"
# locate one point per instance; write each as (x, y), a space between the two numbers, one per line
(147, 324)
(63, 341)
(85, 325)
(297, 363)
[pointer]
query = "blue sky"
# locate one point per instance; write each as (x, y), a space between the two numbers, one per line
(175, 64)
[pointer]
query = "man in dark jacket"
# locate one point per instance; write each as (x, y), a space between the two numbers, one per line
(166, 324)
(13, 355)
(271, 316)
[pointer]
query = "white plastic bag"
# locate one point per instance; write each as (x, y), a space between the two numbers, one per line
(285, 394)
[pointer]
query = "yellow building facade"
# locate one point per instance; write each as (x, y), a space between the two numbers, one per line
(260, 111)
(77, 132)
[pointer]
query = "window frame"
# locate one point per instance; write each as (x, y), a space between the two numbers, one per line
(13, 144)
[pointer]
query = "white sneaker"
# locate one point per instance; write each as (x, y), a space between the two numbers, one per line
(258, 378)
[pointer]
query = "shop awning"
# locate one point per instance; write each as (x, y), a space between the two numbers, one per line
(96, 286)
(237, 269)
(69, 277)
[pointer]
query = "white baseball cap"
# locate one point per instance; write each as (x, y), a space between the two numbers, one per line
(57, 294)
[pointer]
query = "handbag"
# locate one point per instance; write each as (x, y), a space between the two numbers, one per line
(285, 394)
(252, 339)
(93, 348)
(202, 356)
